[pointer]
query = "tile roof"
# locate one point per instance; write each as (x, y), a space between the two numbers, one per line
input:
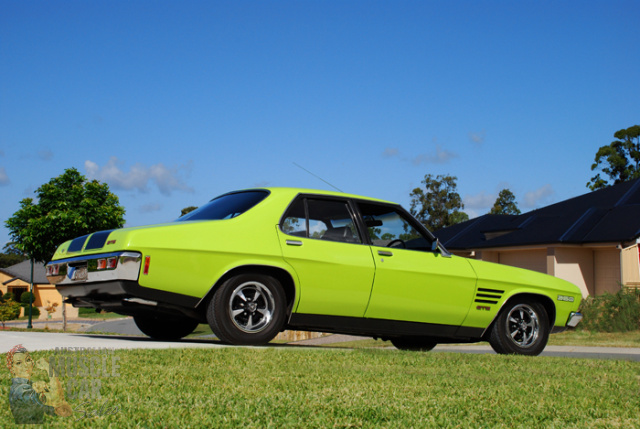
(22, 271)
(608, 215)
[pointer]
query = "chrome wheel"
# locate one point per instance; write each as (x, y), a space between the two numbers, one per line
(251, 306)
(523, 325)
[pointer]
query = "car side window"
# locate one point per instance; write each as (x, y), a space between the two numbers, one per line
(329, 220)
(388, 227)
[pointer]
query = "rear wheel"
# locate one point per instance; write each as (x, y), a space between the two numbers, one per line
(166, 328)
(521, 328)
(248, 309)
(421, 344)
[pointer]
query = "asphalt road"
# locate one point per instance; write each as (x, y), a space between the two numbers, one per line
(135, 340)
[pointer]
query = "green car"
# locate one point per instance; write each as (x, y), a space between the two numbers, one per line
(254, 262)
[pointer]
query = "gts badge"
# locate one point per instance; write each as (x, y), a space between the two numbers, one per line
(483, 308)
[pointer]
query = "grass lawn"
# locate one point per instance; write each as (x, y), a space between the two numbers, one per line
(291, 388)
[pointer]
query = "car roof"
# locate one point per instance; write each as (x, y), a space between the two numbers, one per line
(295, 191)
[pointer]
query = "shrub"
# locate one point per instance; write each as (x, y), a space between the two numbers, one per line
(9, 296)
(9, 310)
(619, 312)
(35, 312)
(86, 312)
(24, 298)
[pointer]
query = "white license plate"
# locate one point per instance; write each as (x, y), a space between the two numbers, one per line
(79, 274)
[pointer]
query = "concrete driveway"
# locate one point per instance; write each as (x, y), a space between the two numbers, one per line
(135, 340)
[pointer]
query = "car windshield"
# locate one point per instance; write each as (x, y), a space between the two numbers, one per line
(226, 206)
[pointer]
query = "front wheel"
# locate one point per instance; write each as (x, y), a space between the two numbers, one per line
(165, 328)
(248, 309)
(521, 328)
(420, 344)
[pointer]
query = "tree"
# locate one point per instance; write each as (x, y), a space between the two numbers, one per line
(620, 160)
(68, 206)
(438, 205)
(187, 210)
(505, 204)
(8, 259)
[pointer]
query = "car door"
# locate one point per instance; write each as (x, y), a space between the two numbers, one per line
(412, 282)
(322, 243)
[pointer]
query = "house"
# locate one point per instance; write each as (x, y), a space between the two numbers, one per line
(590, 240)
(17, 279)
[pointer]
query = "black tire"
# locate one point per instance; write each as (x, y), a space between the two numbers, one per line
(419, 344)
(165, 328)
(248, 309)
(522, 328)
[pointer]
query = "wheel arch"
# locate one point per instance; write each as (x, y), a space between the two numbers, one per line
(544, 300)
(283, 276)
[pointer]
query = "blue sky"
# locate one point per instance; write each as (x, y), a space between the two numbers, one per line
(174, 102)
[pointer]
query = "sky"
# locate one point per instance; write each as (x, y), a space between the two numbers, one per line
(172, 103)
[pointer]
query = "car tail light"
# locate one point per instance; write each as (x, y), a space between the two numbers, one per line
(107, 263)
(53, 270)
(147, 263)
(112, 263)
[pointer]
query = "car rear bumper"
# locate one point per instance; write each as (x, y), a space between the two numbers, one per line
(102, 267)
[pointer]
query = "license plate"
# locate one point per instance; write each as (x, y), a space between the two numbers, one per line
(79, 274)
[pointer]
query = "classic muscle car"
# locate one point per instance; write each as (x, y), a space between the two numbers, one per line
(254, 262)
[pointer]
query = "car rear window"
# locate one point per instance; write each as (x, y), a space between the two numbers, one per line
(226, 206)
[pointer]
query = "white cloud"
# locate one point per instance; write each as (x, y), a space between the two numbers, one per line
(138, 177)
(539, 197)
(4, 178)
(477, 137)
(150, 208)
(441, 156)
(45, 155)
(480, 201)
(390, 152)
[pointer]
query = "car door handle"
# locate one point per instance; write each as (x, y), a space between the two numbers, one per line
(384, 253)
(294, 243)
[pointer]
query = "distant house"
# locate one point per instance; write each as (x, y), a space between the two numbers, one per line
(590, 240)
(16, 279)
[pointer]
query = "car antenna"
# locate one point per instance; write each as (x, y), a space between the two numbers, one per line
(318, 177)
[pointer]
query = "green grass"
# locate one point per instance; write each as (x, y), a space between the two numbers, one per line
(596, 339)
(293, 387)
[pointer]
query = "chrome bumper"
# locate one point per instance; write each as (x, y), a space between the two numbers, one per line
(574, 319)
(101, 267)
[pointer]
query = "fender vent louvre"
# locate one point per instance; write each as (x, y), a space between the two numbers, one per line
(488, 296)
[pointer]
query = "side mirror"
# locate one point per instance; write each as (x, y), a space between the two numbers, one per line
(436, 246)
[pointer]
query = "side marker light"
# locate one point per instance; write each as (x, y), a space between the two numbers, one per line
(147, 263)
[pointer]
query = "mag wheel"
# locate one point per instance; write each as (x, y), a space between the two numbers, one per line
(166, 328)
(248, 309)
(421, 344)
(521, 328)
